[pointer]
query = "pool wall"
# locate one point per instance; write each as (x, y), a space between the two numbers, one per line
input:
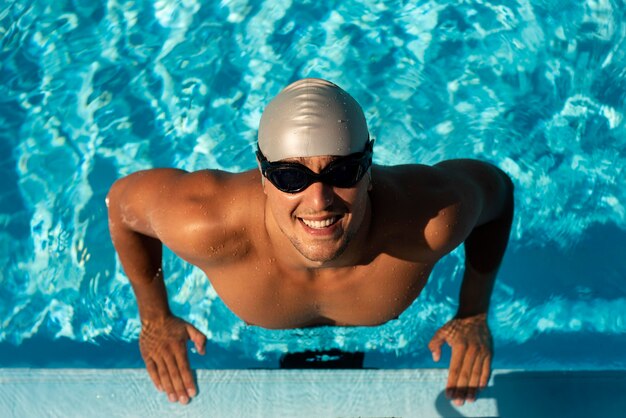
(311, 393)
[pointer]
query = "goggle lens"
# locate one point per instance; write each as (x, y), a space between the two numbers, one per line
(293, 177)
(287, 179)
(346, 175)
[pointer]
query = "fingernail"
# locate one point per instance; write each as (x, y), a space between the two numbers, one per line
(183, 399)
(458, 402)
(171, 397)
(191, 392)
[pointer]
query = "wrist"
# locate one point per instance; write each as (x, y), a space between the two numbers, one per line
(464, 313)
(154, 315)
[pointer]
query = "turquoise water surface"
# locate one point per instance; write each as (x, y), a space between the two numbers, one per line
(91, 91)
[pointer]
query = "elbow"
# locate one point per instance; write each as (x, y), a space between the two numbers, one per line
(508, 182)
(112, 196)
(509, 196)
(498, 198)
(506, 192)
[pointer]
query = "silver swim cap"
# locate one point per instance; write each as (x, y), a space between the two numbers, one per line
(312, 117)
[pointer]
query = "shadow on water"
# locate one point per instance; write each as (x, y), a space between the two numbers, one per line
(551, 394)
(586, 268)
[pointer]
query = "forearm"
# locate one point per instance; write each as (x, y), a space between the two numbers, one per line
(475, 292)
(141, 258)
(484, 250)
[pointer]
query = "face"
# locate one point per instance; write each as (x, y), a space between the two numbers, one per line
(321, 220)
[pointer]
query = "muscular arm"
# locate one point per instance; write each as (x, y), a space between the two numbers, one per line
(142, 208)
(131, 201)
(487, 242)
(485, 210)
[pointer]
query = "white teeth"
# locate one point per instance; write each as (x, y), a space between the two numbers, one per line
(320, 224)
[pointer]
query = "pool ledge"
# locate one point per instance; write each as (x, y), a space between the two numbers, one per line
(308, 393)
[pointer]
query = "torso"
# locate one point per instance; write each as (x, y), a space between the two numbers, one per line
(262, 289)
(262, 293)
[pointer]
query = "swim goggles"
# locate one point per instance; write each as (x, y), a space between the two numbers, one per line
(343, 172)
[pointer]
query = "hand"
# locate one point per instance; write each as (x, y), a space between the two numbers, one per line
(163, 346)
(470, 365)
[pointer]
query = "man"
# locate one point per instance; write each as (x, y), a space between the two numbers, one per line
(316, 236)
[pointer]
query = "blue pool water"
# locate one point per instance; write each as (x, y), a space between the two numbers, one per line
(91, 91)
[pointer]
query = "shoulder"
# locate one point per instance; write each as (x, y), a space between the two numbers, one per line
(172, 181)
(440, 204)
(461, 176)
(186, 211)
(478, 192)
(150, 194)
(417, 207)
(478, 184)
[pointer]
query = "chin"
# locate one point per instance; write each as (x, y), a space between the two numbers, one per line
(321, 253)
(320, 257)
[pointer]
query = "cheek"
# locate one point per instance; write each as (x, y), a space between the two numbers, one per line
(281, 204)
(355, 199)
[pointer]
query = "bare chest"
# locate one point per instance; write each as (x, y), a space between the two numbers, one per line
(262, 293)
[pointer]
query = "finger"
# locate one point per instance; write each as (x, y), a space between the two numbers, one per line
(185, 372)
(456, 363)
(474, 381)
(154, 374)
(460, 391)
(435, 346)
(180, 393)
(166, 382)
(198, 338)
(485, 373)
(466, 373)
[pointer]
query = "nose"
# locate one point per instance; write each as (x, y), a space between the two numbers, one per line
(319, 196)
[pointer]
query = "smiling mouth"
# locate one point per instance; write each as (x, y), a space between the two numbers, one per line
(321, 224)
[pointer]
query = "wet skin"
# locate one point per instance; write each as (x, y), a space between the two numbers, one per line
(325, 256)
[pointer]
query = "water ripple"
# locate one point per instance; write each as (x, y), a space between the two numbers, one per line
(91, 91)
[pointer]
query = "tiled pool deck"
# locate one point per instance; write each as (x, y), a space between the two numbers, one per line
(308, 393)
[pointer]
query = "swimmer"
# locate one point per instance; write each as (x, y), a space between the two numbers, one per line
(317, 235)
